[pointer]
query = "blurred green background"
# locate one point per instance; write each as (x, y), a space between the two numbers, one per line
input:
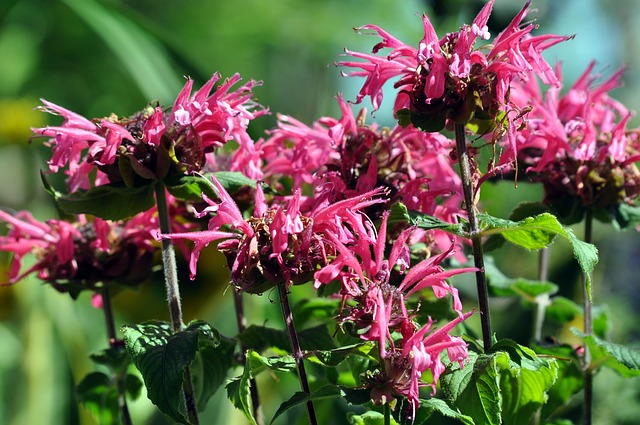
(97, 57)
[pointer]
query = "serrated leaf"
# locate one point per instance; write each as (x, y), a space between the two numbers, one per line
(537, 232)
(115, 358)
(239, 392)
(108, 202)
(525, 380)
(475, 389)
(570, 377)
(210, 368)
(436, 405)
(99, 395)
(622, 359)
(161, 356)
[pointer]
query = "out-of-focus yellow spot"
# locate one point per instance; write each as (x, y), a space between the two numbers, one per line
(17, 117)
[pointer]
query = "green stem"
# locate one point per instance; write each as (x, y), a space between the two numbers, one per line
(173, 294)
(387, 414)
(113, 342)
(474, 234)
(253, 388)
(588, 328)
(296, 351)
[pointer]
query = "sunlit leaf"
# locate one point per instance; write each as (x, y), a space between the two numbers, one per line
(622, 359)
(435, 405)
(239, 392)
(538, 232)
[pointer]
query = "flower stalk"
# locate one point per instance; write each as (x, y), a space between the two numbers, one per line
(118, 376)
(588, 328)
(296, 351)
(253, 386)
(474, 234)
(173, 294)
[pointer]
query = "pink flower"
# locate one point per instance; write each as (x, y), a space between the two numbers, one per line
(80, 255)
(279, 243)
(577, 143)
(343, 158)
(197, 125)
(443, 72)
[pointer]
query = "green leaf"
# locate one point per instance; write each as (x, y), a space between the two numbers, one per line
(239, 392)
(115, 358)
(99, 395)
(570, 377)
(108, 202)
(563, 310)
(537, 232)
(258, 363)
(309, 309)
(336, 356)
(435, 405)
(525, 380)
(210, 367)
(506, 385)
(161, 356)
(368, 418)
(400, 214)
(501, 285)
(189, 188)
(475, 389)
(626, 215)
(233, 181)
(622, 359)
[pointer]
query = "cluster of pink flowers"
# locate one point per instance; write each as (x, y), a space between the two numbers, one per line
(81, 255)
(342, 158)
(578, 144)
(152, 142)
(334, 181)
(448, 79)
(336, 241)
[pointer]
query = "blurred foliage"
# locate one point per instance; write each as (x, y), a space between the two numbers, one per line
(101, 56)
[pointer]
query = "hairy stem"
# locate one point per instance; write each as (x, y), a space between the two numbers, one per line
(118, 376)
(474, 234)
(173, 295)
(242, 325)
(296, 351)
(588, 328)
